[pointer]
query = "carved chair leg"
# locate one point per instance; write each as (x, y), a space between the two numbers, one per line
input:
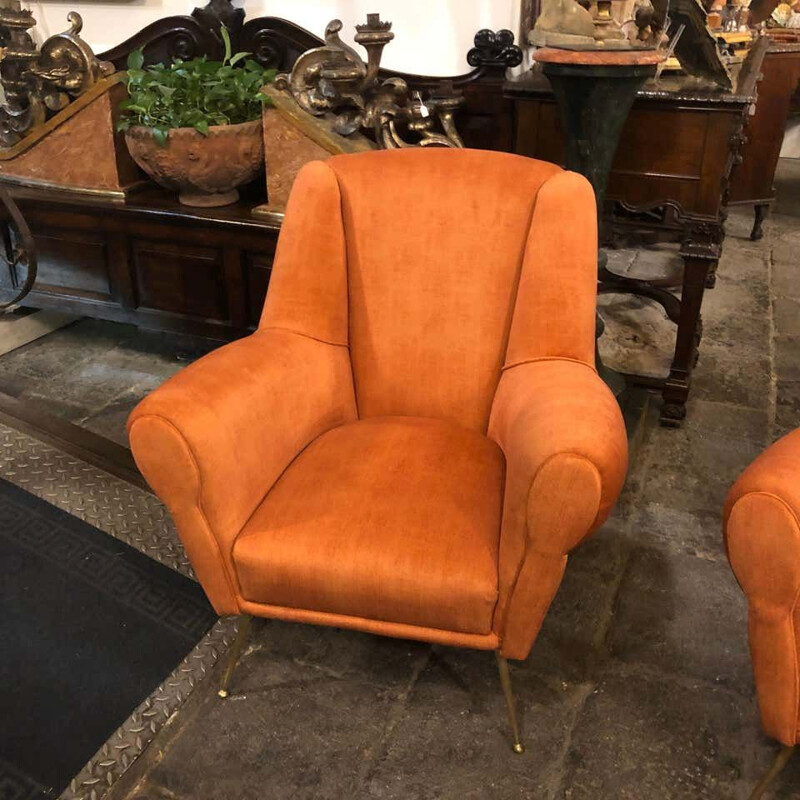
(505, 682)
(778, 764)
(235, 653)
(760, 210)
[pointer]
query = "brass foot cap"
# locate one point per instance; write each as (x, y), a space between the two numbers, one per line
(222, 693)
(519, 747)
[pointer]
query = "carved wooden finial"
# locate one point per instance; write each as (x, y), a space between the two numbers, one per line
(494, 50)
(220, 12)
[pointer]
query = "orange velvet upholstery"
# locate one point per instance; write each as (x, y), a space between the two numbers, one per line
(762, 536)
(416, 437)
(410, 550)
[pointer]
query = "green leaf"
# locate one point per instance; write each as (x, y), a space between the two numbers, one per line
(136, 59)
(196, 94)
(226, 37)
(237, 58)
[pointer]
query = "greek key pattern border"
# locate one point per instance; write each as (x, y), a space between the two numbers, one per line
(111, 504)
(137, 518)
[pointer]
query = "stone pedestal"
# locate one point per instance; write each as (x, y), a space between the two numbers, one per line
(595, 90)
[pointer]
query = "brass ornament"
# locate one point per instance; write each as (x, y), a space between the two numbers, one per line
(334, 81)
(37, 83)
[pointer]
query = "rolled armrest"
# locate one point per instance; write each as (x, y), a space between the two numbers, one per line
(566, 452)
(762, 537)
(213, 440)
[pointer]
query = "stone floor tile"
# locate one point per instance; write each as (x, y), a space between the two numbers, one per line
(692, 471)
(110, 420)
(303, 740)
(281, 651)
(739, 376)
(739, 224)
(786, 276)
(643, 735)
(787, 411)
(64, 350)
(710, 418)
(787, 358)
(747, 298)
(744, 261)
(695, 532)
(727, 333)
(452, 739)
(572, 640)
(786, 311)
(667, 604)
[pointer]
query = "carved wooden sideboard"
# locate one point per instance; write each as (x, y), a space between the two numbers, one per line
(150, 261)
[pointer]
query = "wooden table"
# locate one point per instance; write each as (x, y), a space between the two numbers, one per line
(670, 177)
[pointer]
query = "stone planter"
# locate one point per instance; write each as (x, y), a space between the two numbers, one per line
(203, 170)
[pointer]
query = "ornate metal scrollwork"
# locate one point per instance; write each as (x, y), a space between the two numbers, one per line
(494, 50)
(334, 80)
(20, 250)
(36, 82)
(67, 67)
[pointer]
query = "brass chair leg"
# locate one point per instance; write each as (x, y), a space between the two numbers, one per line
(237, 647)
(505, 682)
(778, 764)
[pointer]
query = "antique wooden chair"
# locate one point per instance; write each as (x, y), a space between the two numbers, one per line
(762, 537)
(415, 437)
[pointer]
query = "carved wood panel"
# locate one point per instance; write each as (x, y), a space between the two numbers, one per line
(179, 278)
(72, 261)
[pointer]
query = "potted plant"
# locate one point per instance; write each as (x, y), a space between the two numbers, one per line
(195, 126)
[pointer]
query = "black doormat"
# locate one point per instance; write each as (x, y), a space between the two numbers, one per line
(89, 627)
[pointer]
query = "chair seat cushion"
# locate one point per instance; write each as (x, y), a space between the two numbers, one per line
(389, 518)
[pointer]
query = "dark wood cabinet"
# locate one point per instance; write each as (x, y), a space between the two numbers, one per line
(149, 261)
(752, 177)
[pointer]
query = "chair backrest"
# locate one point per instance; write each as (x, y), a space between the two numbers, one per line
(416, 259)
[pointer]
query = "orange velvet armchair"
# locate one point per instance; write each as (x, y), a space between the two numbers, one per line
(416, 436)
(762, 537)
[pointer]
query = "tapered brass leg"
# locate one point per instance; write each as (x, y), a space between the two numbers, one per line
(778, 764)
(236, 651)
(505, 682)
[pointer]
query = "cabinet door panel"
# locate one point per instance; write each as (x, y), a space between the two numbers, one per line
(179, 278)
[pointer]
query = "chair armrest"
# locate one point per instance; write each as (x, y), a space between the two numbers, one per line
(214, 439)
(762, 538)
(566, 450)
(762, 525)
